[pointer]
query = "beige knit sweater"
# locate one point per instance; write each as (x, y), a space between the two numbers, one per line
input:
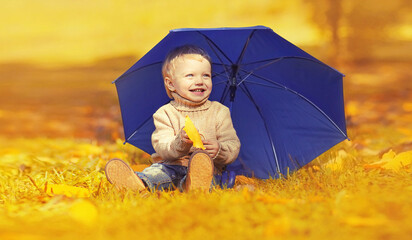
(213, 121)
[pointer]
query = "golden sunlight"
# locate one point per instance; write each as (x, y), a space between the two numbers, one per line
(61, 32)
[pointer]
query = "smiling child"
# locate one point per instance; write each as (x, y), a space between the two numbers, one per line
(187, 74)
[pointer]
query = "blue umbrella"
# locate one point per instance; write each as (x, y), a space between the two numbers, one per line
(287, 107)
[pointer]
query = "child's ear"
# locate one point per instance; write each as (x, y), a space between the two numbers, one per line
(169, 84)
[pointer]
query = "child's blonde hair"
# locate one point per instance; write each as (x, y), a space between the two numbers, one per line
(168, 64)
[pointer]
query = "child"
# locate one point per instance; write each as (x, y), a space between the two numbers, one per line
(187, 78)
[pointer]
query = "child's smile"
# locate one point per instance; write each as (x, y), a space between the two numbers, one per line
(191, 78)
(198, 91)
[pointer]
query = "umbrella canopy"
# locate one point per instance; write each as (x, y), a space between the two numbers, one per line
(287, 107)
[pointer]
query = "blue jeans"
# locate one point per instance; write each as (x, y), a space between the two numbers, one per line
(167, 177)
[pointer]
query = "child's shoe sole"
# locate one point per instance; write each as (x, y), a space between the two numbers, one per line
(200, 171)
(122, 176)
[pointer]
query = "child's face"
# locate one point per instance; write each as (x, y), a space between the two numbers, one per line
(191, 77)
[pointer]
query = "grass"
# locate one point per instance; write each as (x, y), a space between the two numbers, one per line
(340, 195)
(335, 197)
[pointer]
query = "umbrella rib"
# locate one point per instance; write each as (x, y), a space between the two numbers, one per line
(264, 85)
(267, 64)
(225, 92)
(260, 67)
(249, 95)
(261, 61)
(301, 96)
(244, 47)
(244, 79)
(218, 74)
(297, 57)
(209, 41)
(223, 64)
(320, 110)
(218, 83)
(263, 78)
(137, 129)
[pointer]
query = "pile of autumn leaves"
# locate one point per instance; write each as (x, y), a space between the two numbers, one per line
(58, 187)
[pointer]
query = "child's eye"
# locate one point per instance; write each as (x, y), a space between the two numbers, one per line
(189, 75)
(206, 75)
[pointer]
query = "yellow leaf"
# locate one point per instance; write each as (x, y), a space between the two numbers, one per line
(193, 134)
(243, 180)
(399, 161)
(335, 164)
(388, 156)
(69, 191)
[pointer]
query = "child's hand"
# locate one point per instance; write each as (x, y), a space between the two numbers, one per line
(212, 147)
(184, 137)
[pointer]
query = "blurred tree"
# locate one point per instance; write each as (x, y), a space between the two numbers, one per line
(328, 15)
(354, 29)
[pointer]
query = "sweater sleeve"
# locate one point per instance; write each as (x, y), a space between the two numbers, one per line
(227, 138)
(165, 141)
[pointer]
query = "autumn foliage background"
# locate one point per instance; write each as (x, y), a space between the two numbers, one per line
(60, 123)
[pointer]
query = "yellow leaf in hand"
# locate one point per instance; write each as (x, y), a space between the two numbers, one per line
(193, 134)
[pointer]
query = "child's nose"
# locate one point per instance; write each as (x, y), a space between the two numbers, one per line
(198, 81)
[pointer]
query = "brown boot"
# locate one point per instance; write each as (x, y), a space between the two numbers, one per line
(200, 171)
(122, 176)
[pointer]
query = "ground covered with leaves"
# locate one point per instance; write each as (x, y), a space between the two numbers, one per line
(54, 186)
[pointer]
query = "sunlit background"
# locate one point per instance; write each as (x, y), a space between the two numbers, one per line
(58, 58)
(60, 123)
(62, 32)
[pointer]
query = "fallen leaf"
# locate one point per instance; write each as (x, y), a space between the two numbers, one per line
(399, 161)
(386, 157)
(335, 164)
